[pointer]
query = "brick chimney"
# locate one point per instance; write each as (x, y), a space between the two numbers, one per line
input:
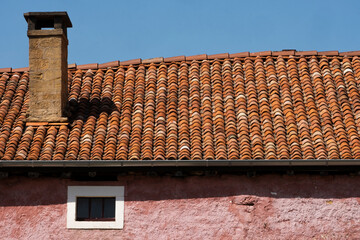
(48, 66)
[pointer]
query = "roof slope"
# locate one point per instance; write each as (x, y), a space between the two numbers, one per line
(235, 108)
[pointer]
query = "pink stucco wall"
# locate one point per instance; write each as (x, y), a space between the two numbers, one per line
(220, 207)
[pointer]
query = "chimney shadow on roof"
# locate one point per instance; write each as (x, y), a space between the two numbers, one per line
(83, 108)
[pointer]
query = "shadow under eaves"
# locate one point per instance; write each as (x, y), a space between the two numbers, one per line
(24, 191)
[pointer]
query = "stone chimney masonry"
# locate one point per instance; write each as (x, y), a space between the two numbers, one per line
(48, 66)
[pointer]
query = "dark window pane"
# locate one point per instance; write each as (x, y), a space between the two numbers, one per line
(96, 208)
(82, 208)
(109, 207)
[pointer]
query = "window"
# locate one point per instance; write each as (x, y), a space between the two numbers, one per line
(96, 207)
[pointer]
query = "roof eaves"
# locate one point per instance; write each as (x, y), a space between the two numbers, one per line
(179, 163)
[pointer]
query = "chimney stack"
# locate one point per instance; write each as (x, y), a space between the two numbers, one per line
(47, 32)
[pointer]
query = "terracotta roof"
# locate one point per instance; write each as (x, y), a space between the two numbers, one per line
(246, 106)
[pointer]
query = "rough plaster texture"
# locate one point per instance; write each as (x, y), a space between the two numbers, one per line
(48, 75)
(221, 207)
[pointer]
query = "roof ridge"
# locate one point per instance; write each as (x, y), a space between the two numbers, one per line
(199, 57)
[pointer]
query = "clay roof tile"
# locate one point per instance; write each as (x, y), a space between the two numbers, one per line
(261, 54)
(227, 107)
(87, 66)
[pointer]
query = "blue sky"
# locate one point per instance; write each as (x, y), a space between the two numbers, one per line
(105, 31)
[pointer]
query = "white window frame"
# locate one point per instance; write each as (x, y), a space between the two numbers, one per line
(95, 191)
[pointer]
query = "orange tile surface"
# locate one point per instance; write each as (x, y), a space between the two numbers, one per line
(243, 107)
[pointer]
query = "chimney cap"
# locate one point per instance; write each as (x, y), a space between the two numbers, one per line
(47, 18)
